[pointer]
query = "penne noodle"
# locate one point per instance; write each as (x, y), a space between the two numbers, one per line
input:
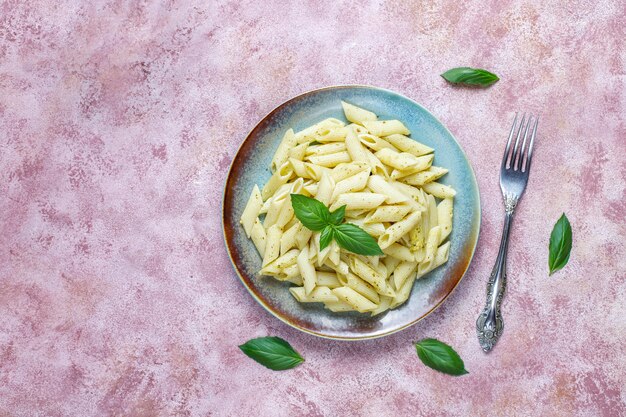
(252, 211)
(329, 160)
(280, 263)
(402, 272)
(288, 239)
(403, 161)
(385, 302)
(332, 134)
(386, 127)
(355, 148)
(338, 306)
(377, 167)
(326, 148)
(363, 288)
(409, 145)
(441, 257)
(387, 214)
(356, 114)
(328, 279)
(315, 171)
(259, 237)
(374, 142)
(357, 301)
(343, 171)
(298, 152)
(379, 185)
(358, 201)
(357, 182)
(282, 153)
(421, 163)
(308, 134)
(399, 252)
(318, 295)
(325, 188)
(444, 216)
(423, 177)
(370, 275)
(272, 246)
(307, 271)
(399, 229)
(439, 190)
(279, 178)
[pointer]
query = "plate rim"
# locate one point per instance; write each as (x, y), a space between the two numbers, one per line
(277, 314)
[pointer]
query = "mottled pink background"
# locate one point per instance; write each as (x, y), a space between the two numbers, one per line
(118, 122)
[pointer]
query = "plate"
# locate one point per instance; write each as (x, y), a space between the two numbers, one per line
(251, 166)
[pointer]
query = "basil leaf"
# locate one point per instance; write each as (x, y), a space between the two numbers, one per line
(440, 357)
(336, 217)
(326, 236)
(470, 76)
(353, 238)
(560, 244)
(272, 352)
(313, 214)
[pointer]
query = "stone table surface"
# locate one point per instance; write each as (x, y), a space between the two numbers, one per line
(118, 122)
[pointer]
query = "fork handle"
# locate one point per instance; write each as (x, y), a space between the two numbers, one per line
(489, 325)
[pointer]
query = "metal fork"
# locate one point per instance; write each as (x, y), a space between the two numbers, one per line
(513, 179)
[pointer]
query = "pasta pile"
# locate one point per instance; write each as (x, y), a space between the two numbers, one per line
(388, 185)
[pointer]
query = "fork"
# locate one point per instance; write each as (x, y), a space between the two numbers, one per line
(513, 179)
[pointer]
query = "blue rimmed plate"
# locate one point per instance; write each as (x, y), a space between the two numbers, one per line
(251, 166)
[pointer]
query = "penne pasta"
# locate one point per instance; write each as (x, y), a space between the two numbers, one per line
(279, 178)
(399, 229)
(354, 147)
(308, 134)
(399, 252)
(423, 177)
(386, 127)
(326, 148)
(357, 301)
(387, 214)
(400, 160)
(375, 143)
(356, 114)
(343, 171)
(307, 271)
(358, 201)
(251, 212)
(281, 263)
(356, 182)
(282, 153)
(439, 190)
(379, 185)
(272, 246)
(288, 239)
(421, 163)
(330, 160)
(298, 152)
(328, 279)
(334, 134)
(444, 215)
(259, 237)
(409, 145)
(317, 295)
(388, 188)
(370, 275)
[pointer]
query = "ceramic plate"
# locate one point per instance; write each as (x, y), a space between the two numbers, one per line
(251, 166)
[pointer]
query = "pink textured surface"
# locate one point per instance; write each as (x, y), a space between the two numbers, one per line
(118, 122)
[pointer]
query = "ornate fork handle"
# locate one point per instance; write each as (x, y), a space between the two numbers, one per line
(489, 324)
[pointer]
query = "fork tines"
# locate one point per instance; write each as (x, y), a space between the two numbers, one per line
(518, 158)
